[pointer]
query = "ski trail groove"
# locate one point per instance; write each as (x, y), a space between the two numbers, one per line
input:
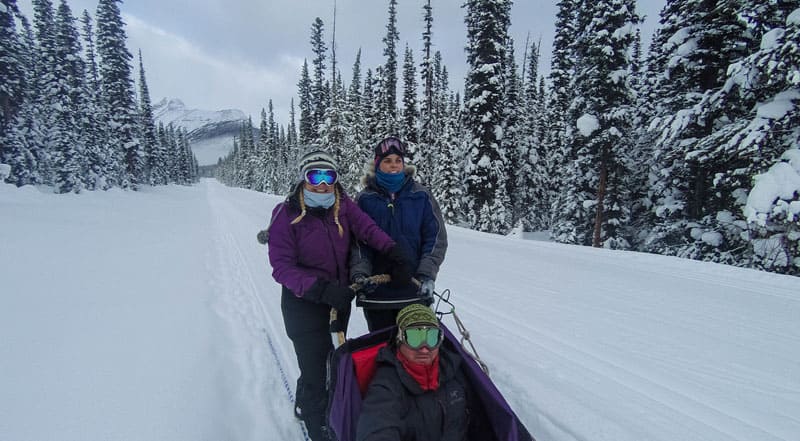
(245, 307)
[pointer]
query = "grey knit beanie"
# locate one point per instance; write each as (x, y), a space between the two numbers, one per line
(316, 159)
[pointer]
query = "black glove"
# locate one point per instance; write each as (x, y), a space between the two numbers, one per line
(262, 237)
(400, 269)
(339, 297)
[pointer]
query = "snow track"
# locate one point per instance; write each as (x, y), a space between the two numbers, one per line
(153, 315)
(259, 328)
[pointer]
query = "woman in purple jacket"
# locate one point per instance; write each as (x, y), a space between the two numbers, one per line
(309, 240)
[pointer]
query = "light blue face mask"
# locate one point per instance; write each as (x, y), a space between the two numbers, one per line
(324, 200)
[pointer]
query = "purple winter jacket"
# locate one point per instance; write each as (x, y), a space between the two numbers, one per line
(313, 248)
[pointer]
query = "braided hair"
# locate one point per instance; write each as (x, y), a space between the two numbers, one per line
(336, 206)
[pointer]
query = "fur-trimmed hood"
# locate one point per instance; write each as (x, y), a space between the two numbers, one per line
(369, 173)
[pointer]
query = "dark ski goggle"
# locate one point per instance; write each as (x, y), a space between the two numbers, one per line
(418, 337)
(390, 145)
(317, 176)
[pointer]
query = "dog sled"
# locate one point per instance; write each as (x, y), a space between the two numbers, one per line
(352, 365)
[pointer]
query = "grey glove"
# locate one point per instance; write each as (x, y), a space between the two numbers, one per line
(426, 291)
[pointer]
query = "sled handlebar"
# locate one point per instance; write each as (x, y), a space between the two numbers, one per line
(337, 334)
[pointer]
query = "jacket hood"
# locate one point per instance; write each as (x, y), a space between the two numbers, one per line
(369, 173)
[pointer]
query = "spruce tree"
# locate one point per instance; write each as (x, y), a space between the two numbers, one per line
(389, 77)
(304, 92)
(690, 58)
(44, 82)
(426, 75)
(319, 91)
(356, 142)
(533, 174)
(594, 209)
(487, 32)
(117, 91)
(511, 143)
(12, 91)
(769, 136)
(97, 153)
(410, 111)
(154, 171)
(68, 82)
(26, 138)
(12, 73)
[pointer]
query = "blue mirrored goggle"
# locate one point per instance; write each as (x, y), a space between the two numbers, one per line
(317, 176)
(418, 337)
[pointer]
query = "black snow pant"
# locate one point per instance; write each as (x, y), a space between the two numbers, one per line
(307, 325)
(380, 318)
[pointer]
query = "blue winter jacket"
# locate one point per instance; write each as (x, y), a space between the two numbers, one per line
(413, 219)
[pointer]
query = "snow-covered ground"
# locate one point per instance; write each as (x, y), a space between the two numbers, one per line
(152, 315)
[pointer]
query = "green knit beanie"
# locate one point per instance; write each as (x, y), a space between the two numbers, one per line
(416, 314)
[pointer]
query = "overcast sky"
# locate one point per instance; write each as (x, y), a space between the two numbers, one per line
(220, 54)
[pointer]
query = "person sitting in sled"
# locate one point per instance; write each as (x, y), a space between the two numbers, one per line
(406, 210)
(419, 391)
(309, 238)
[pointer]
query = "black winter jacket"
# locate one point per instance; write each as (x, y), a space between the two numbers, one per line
(396, 408)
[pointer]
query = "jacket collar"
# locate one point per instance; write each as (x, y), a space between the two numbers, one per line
(449, 363)
(368, 179)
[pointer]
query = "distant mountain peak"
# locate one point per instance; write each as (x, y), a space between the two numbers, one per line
(210, 132)
(174, 111)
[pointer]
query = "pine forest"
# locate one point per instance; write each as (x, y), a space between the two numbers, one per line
(689, 147)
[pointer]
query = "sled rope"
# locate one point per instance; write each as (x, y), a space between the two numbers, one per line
(465, 335)
(379, 279)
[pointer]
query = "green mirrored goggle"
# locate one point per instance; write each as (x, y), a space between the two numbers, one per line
(418, 337)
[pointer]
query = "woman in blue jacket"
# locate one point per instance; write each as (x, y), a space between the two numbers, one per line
(409, 213)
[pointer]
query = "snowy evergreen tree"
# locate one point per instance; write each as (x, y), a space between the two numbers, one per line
(388, 114)
(768, 79)
(97, 153)
(333, 129)
(319, 91)
(291, 131)
(13, 84)
(759, 147)
(410, 111)
(511, 143)
(117, 91)
(554, 146)
(43, 83)
(697, 43)
(12, 70)
(593, 209)
(68, 142)
(426, 75)
(370, 107)
(306, 126)
(26, 154)
(357, 149)
(487, 32)
(155, 157)
(448, 163)
(533, 172)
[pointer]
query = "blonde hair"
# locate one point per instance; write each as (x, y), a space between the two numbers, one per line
(336, 206)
